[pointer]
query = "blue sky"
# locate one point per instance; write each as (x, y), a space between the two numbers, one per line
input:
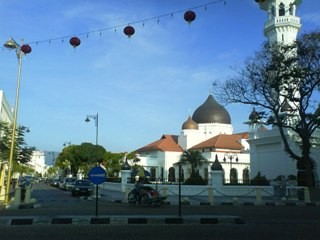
(141, 87)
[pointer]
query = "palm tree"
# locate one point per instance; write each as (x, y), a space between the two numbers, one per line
(196, 160)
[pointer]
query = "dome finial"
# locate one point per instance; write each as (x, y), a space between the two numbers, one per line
(216, 165)
(213, 84)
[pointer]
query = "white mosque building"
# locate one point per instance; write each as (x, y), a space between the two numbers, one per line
(209, 131)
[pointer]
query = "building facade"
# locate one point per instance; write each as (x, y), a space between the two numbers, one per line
(209, 131)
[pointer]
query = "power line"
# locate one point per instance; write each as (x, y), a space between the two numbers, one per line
(142, 21)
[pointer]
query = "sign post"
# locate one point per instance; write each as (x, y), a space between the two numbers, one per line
(97, 175)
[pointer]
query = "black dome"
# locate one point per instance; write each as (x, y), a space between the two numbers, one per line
(211, 112)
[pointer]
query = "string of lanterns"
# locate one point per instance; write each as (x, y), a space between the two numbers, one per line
(189, 16)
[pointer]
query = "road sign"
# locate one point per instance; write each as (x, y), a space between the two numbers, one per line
(97, 175)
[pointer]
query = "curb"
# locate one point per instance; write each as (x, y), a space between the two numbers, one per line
(229, 203)
(124, 220)
(246, 203)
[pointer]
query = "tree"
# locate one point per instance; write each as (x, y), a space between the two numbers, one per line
(113, 162)
(283, 82)
(196, 160)
(52, 171)
(80, 157)
(22, 153)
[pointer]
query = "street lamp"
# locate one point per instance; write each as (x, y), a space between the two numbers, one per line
(231, 156)
(67, 144)
(96, 119)
(12, 44)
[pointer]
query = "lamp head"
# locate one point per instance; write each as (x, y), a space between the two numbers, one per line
(11, 44)
(87, 119)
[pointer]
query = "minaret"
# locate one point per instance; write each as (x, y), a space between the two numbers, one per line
(282, 25)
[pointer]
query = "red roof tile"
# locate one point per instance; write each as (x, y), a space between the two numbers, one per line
(167, 143)
(223, 141)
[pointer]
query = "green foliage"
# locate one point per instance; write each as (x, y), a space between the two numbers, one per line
(196, 160)
(22, 169)
(292, 177)
(83, 157)
(113, 163)
(22, 153)
(80, 157)
(195, 179)
(259, 180)
(52, 171)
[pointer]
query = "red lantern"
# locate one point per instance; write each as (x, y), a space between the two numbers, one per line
(129, 31)
(75, 42)
(189, 16)
(25, 48)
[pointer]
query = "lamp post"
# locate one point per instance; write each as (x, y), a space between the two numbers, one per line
(96, 119)
(231, 156)
(12, 44)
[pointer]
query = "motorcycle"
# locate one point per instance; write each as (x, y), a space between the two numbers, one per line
(147, 196)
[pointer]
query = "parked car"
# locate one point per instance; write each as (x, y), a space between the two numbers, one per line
(82, 188)
(55, 182)
(67, 183)
(61, 184)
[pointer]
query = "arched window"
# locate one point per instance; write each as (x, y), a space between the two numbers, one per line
(153, 174)
(161, 174)
(245, 176)
(233, 176)
(171, 176)
(281, 9)
(291, 9)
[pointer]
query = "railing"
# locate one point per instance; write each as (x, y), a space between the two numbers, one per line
(283, 20)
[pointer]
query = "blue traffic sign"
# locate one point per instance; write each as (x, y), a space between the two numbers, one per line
(97, 175)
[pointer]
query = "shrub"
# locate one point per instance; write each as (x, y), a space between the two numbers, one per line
(292, 177)
(195, 179)
(260, 180)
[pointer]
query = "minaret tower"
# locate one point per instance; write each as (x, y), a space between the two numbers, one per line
(283, 25)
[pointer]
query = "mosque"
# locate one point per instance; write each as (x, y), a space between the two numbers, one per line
(209, 129)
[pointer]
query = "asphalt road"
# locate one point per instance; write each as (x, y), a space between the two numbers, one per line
(259, 222)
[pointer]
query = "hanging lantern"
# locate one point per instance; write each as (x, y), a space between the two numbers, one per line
(189, 16)
(25, 48)
(129, 31)
(75, 42)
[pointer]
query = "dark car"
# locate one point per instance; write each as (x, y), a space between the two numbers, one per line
(82, 188)
(55, 182)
